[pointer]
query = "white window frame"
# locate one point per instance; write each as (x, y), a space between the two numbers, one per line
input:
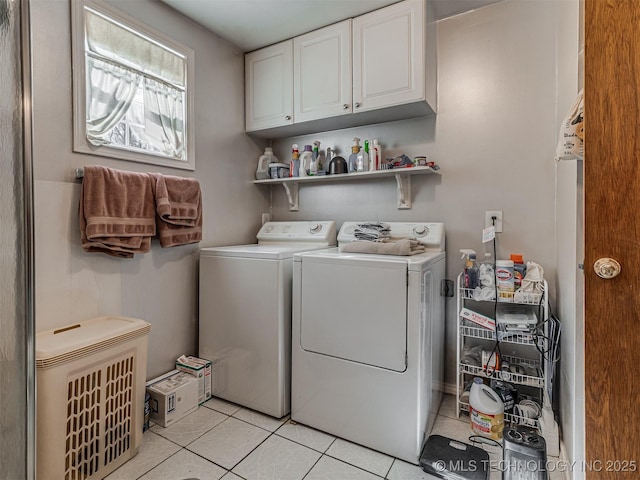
(80, 141)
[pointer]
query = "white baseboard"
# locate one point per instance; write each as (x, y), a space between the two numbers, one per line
(450, 389)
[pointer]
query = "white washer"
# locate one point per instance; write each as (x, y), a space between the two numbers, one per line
(245, 313)
(368, 342)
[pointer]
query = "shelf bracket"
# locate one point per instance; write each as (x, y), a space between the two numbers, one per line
(292, 191)
(404, 191)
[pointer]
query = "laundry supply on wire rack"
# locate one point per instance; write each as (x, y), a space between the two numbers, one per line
(372, 231)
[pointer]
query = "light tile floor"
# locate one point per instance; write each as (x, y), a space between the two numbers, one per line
(226, 441)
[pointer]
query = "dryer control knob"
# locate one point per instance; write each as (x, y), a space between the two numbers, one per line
(269, 228)
(315, 227)
(420, 230)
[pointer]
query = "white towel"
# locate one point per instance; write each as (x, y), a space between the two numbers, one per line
(372, 231)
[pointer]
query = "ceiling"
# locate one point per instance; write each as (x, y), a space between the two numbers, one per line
(252, 24)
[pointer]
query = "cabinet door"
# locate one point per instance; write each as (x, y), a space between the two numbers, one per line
(269, 86)
(322, 72)
(389, 56)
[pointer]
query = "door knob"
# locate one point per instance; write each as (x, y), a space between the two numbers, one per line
(288, 117)
(345, 106)
(607, 268)
(357, 104)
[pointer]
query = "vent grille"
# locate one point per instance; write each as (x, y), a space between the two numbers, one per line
(83, 423)
(119, 401)
(103, 396)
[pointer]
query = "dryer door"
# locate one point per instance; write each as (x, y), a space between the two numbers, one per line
(355, 309)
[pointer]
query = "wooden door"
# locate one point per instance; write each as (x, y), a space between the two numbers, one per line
(612, 229)
(322, 72)
(269, 86)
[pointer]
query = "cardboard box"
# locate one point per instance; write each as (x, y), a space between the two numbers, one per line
(478, 318)
(173, 396)
(201, 369)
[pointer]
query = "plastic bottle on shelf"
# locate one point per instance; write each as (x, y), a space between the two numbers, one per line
(294, 165)
(471, 274)
(327, 160)
(305, 161)
(316, 161)
(376, 156)
(504, 279)
(487, 275)
(353, 158)
(486, 410)
(363, 158)
(265, 159)
(519, 270)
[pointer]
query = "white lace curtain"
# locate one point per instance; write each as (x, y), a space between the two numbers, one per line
(110, 93)
(119, 62)
(164, 118)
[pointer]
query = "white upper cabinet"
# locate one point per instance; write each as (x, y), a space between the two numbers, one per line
(389, 56)
(269, 87)
(375, 68)
(322, 73)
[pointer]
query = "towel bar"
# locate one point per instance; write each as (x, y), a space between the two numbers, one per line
(79, 172)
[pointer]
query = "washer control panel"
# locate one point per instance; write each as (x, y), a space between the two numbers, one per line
(430, 234)
(323, 231)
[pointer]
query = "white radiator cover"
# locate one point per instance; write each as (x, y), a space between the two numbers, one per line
(90, 397)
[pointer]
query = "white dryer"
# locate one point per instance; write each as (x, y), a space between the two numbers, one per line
(245, 313)
(368, 341)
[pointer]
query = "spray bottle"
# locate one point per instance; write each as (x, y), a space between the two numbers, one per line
(363, 158)
(471, 274)
(316, 161)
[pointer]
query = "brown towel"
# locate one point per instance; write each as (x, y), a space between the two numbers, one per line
(387, 246)
(177, 199)
(179, 209)
(117, 212)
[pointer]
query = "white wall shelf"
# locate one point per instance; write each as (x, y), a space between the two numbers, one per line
(402, 175)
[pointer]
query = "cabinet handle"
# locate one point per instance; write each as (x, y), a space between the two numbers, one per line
(288, 117)
(345, 106)
(357, 104)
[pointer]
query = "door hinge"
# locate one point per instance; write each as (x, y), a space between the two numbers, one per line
(446, 288)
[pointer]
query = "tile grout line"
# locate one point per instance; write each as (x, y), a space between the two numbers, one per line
(270, 434)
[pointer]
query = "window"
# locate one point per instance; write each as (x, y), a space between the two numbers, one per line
(133, 89)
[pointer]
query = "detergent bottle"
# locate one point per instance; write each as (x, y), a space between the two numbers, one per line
(265, 159)
(305, 161)
(486, 410)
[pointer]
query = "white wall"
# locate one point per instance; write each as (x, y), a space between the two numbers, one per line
(570, 253)
(161, 286)
(494, 138)
(501, 96)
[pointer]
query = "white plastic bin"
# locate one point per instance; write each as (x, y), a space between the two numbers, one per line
(90, 396)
